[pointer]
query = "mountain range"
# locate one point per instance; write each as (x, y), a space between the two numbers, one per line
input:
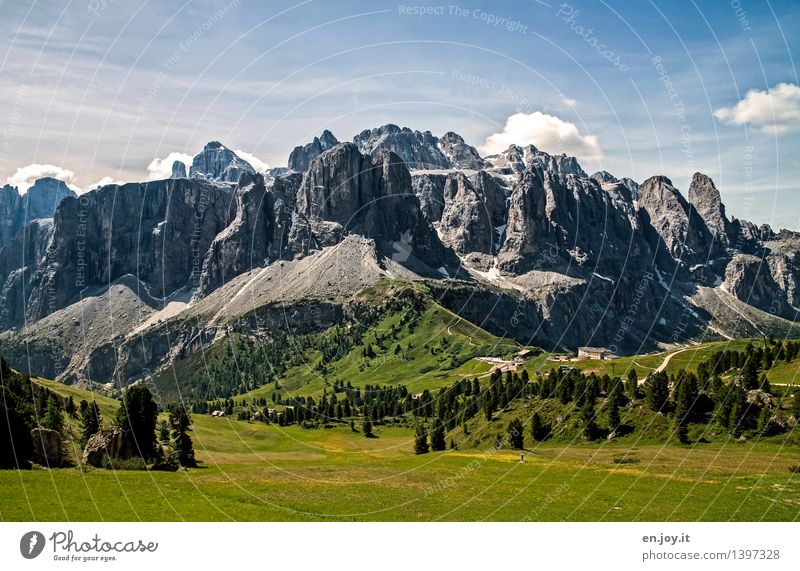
(126, 280)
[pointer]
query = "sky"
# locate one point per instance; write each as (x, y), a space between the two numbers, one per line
(97, 91)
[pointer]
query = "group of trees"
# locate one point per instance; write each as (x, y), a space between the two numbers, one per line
(136, 420)
(28, 405)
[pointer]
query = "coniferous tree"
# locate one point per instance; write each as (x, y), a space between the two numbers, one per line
(633, 384)
(367, 428)
(90, 419)
(537, 430)
(516, 434)
(613, 412)
(421, 440)
(180, 422)
(163, 432)
(589, 424)
(136, 420)
(657, 391)
(53, 419)
(438, 437)
(16, 419)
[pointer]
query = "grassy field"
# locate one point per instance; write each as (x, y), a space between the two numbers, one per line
(261, 472)
(255, 471)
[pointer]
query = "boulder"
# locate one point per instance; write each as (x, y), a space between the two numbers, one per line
(48, 447)
(100, 444)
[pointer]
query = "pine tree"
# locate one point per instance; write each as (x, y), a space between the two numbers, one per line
(421, 440)
(633, 384)
(16, 419)
(613, 414)
(438, 437)
(589, 425)
(53, 419)
(90, 419)
(537, 430)
(657, 391)
(516, 434)
(367, 428)
(180, 423)
(136, 419)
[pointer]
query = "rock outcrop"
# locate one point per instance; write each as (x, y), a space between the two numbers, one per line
(706, 200)
(218, 163)
(101, 444)
(679, 226)
(178, 170)
(301, 157)
(40, 201)
(418, 150)
(48, 448)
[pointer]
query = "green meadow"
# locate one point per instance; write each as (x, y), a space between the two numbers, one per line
(255, 471)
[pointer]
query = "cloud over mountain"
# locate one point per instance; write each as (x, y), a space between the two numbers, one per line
(546, 132)
(775, 110)
(27, 175)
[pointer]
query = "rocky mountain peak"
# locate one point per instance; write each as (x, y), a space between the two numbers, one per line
(419, 150)
(705, 198)
(178, 170)
(218, 163)
(682, 229)
(460, 154)
(40, 201)
(603, 176)
(301, 156)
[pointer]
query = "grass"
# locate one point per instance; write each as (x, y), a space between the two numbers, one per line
(260, 472)
(422, 362)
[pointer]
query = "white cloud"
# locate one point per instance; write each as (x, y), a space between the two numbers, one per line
(775, 110)
(159, 169)
(546, 132)
(254, 161)
(27, 175)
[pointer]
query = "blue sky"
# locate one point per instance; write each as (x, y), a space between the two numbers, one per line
(99, 89)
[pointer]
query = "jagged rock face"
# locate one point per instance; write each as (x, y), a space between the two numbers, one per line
(19, 262)
(178, 170)
(473, 217)
(677, 223)
(516, 160)
(418, 150)
(632, 186)
(603, 176)
(245, 243)
(219, 163)
(555, 221)
(344, 191)
(749, 279)
(429, 188)
(96, 240)
(337, 185)
(460, 154)
(301, 157)
(284, 190)
(40, 201)
(465, 225)
(705, 198)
